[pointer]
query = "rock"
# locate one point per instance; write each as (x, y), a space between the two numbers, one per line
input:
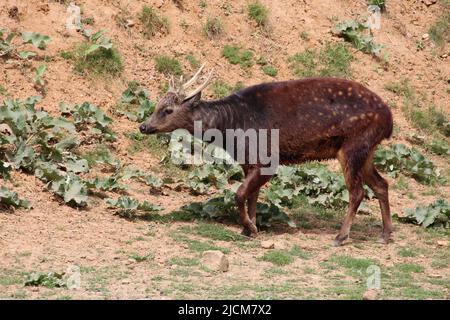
(13, 13)
(130, 23)
(425, 36)
(429, 2)
(370, 294)
(268, 244)
(215, 260)
(442, 243)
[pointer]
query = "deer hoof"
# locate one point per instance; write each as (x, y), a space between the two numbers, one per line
(339, 240)
(250, 230)
(385, 238)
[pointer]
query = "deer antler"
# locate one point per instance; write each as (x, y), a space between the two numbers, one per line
(201, 87)
(179, 87)
(194, 77)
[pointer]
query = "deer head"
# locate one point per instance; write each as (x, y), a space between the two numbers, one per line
(176, 108)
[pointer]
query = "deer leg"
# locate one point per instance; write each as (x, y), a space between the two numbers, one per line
(248, 191)
(353, 179)
(381, 189)
(251, 206)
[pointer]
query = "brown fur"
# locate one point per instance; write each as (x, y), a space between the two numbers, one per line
(317, 118)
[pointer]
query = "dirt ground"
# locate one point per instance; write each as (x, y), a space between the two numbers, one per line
(143, 259)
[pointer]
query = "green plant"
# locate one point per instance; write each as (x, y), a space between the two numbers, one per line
(213, 28)
(259, 13)
(440, 31)
(429, 119)
(96, 55)
(399, 158)
(314, 182)
(439, 147)
(236, 55)
(270, 70)
(9, 50)
(88, 116)
(135, 103)
(38, 80)
(49, 280)
(9, 198)
(379, 3)
(101, 154)
(278, 257)
(436, 214)
(222, 89)
(224, 207)
(333, 60)
(168, 66)
(353, 32)
(193, 61)
(152, 22)
(128, 207)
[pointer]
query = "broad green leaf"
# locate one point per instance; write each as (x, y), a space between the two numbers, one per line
(38, 40)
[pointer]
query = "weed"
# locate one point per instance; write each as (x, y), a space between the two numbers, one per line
(195, 64)
(259, 13)
(152, 22)
(428, 119)
(278, 257)
(270, 70)
(222, 89)
(184, 262)
(235, 55)
(440, 31)
(96, 56)
(168, 66)
(213, 28)
(353, 32)
(331, 61)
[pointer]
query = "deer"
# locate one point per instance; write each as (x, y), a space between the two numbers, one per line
(318, 119)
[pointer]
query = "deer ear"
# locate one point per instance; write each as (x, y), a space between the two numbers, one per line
(193, 101)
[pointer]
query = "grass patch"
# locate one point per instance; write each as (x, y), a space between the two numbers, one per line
(258, 13)
(278, 257)
(269, 70)
(213, 28)
(354, 266)
(184, 262)
(221, 89)
(331, 61)
(101, 154)
(168, 66)
(141, 258)
(140, 142)
(152, 22)
(193, 61)
(409, 268)
(236, 55)
(215, 231)
(440, 31)
(101, 62)
(407, 252)
(428, 119)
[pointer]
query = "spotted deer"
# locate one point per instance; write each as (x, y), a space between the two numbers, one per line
(317, 118)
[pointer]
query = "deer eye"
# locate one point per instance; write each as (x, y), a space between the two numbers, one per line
(166, 112)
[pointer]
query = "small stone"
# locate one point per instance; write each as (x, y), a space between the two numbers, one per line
(425, 36)
(370, 294)
(429, 2)
(130, 23)
(215, 260)
(442, 243)
(268, 244)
